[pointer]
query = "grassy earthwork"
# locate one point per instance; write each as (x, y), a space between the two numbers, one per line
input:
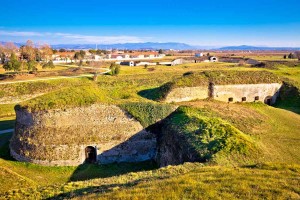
(272, 172)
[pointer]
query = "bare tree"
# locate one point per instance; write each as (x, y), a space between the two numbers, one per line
(297, 54)
(10, 48)
(28, 51)
(46, 52)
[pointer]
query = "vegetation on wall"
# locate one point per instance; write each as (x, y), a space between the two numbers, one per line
(148, 113)
(289, 97)
(217, 78)
(67, 98)
(211, 138)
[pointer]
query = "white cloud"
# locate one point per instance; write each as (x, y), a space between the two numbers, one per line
(19, 33)
(70, 38)
(100, 39)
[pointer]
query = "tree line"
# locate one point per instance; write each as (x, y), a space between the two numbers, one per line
(27, 57)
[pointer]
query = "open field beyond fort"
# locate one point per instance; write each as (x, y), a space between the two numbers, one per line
(266, 166)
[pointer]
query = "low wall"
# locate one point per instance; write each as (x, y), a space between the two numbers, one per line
(59, 137)
(227, 93)
(187, 94)
(247, 92)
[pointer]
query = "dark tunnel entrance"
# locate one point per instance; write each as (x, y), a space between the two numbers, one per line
(268, 100)
(90, 154)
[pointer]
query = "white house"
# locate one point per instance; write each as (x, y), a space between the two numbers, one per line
(144, 63)
(97, 58)
(198, 55)
(127, 63)
(126, 56)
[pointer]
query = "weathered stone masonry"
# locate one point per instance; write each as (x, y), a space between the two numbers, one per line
(266, 93)
(60, 137)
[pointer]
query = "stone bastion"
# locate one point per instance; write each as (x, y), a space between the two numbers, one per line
(69, 137)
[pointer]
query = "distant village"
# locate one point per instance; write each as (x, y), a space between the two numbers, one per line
(132, 58)
(27, 56)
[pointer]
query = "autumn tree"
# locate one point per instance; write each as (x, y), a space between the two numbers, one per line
(13, 64)
(79, 56)
(2, 54)
(46, 52)
(28, 51)
(10, 48)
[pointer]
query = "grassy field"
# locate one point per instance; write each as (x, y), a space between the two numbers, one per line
(274, 174)
(39, 68)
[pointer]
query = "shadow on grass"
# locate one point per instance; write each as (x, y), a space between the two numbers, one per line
(4, 146)
(152, 94)
(7, 124)
(80, 193)
(4, 139)
(92, 171)
(293, 107)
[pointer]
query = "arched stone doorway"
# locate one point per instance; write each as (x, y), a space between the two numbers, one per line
(90, 154)
(268, 100)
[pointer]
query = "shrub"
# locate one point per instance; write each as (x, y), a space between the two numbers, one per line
(48, 65)
(115, 69)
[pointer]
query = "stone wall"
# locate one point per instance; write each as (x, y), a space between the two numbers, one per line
(59, 137)
(187, 94)
(247, 92)
(238, 93)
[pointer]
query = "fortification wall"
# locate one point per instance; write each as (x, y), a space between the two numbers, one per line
(59, 137)
(227, 93)
(247, 92)
(187, 94)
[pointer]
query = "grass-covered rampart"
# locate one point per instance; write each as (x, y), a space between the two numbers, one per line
(204, 138)
(217, 78)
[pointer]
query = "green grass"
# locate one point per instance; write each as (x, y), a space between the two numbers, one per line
(275, 131)
(66, 98)
(148, 113)
(18, 89)
(208, 139)
(188, 181)
(7, 110)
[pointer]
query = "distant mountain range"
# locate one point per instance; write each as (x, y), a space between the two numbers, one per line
(167, 45)
(255, 48)
(129, 46)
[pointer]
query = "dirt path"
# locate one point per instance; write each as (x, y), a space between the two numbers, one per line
(60, 77)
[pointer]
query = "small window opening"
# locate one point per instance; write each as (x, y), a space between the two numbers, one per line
(244, 99)
(256, 98)
(230, 99)
(90, 154)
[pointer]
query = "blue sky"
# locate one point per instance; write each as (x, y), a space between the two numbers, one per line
(205, 23)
